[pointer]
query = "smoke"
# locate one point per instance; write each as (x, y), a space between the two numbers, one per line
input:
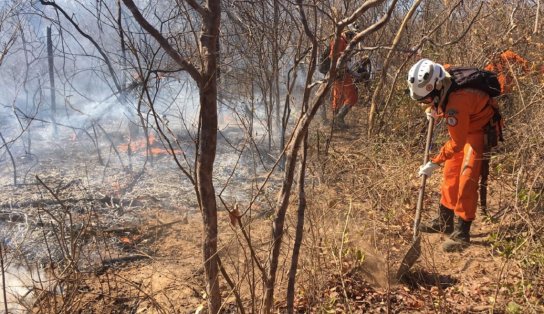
(20, 283)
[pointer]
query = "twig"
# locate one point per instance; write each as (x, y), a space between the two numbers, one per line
(12, 160)
(246, 237)
(492, 310)
(387, 61)
(340, 255)
(232, 286)
(112, 145)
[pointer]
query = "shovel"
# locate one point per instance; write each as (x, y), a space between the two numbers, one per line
(415, 249)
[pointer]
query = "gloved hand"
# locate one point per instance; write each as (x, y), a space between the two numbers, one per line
(431, 113)
(427, 169)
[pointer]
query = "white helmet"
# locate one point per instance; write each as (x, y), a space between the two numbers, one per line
(423, 78)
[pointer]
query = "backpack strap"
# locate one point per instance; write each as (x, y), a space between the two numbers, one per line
(444, 103)
(449, 86)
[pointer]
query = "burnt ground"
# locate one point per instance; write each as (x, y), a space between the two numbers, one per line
(134, 238)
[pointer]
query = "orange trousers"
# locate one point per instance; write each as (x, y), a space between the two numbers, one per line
(461, 176)
(344, 92)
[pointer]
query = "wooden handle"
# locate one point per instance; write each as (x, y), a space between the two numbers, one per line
(421, 196)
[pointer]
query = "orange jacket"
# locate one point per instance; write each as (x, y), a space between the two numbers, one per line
(344, 91)
(341, 44)
(467, 112)
(501, 65)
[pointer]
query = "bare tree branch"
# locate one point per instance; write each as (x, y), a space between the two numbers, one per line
(95, 44)
(396, 41)
(200, 9)
(184, 64)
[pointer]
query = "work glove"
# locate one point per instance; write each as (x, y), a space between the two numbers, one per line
(431, 113)
(427, 169)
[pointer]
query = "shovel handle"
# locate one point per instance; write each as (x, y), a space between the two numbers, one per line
(421, 196)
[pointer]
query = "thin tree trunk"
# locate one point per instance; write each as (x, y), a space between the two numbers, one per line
(12, 159)
(206, 191)
(269, 103)
(294, 143)
(123, 52)
(207, 151)
(206, 80)
(28, 149)
(537, 17)
(276, 69)
(283, 198)
(252, 112)
(97, 146)
(53, 106)
(4, 288)
(284, 122)
(300, 228)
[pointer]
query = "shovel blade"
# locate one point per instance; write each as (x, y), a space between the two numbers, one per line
(410, 258)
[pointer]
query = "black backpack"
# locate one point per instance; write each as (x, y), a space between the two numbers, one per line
(325, 61)
(466, 77)
(362, 70)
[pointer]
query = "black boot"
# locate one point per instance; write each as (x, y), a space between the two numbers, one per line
(339, 118)
(459, 238)
(443, 223)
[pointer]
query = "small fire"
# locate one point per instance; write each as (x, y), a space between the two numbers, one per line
(140, 147)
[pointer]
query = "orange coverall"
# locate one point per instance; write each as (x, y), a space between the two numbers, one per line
(467, 112)
(344, 91)
(501, 65)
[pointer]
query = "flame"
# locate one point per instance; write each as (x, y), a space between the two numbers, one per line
(140, 147)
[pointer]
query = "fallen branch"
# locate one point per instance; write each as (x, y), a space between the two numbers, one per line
(107, 264)
(108, 200)
(137, 230)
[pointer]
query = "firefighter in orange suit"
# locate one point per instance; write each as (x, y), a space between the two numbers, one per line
(466, 112)
(344, 91)
(502, 63)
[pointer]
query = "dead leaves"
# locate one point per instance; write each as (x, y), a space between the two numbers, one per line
(234, 216)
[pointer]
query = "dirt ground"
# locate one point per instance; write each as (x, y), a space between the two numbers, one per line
(171, 279)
